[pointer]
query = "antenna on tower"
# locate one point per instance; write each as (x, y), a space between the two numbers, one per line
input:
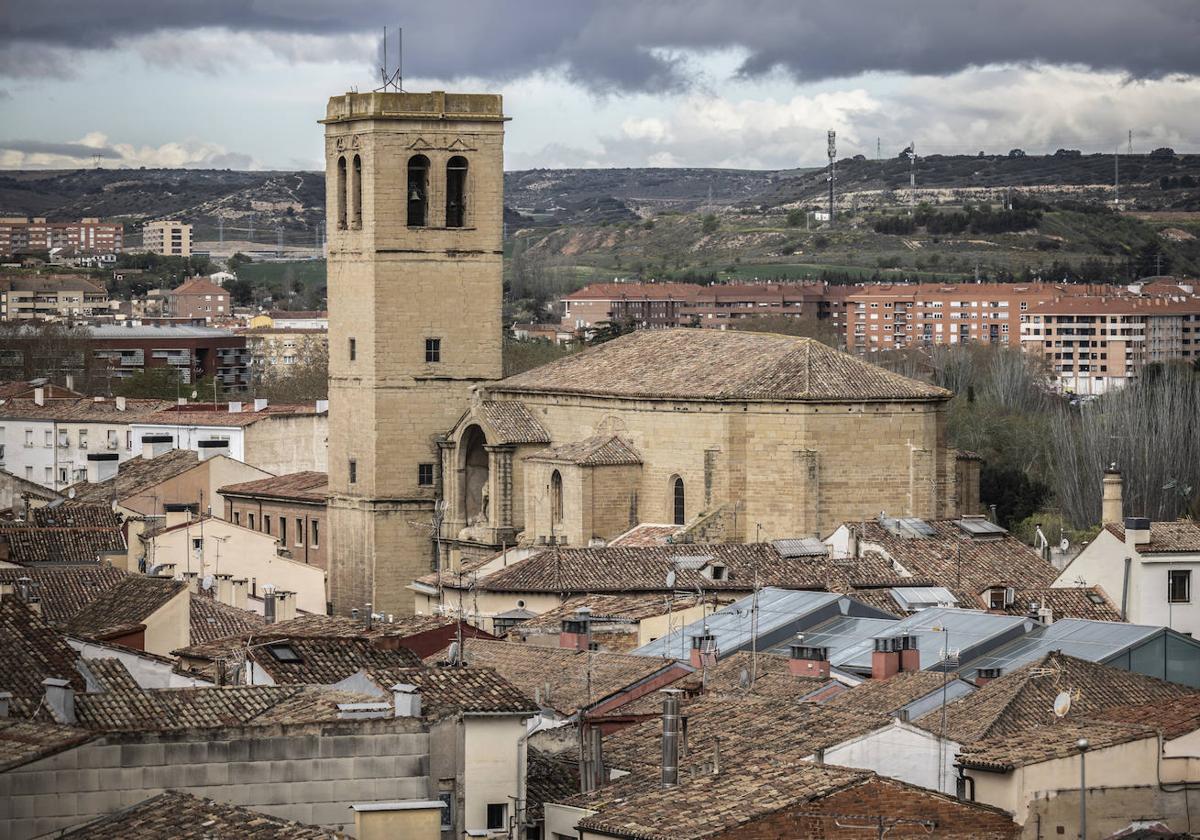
(96, 161)
(392, 79)
(1129, 148)
(832, 139)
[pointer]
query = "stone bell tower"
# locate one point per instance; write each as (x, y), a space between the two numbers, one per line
(414, 199)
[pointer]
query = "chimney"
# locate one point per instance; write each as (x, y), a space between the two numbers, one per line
(29, 591)
(60, 699)
(221, 672)
(808, 661)
(670, 737)
(224, 591)
(235, 408)
(5, 700)
(209, 448)
(101, 466)
(576, 632)
(181, 401)
(39, 396)
(69, 382)
(985, 675)
(407, 700)
(192, 581)
(1112, 505)
(120, 403)
(596, 752)
(155, 445)
(894, 654)
(260, 404)
(285, 605)
(1137, 531)
(269, 603)
(704, 650)
(1045, 614)
(239, 593)
(176, 513)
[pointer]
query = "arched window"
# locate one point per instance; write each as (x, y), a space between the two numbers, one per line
(456, 191)
(678, 501)
(556, 497)
(418, 190)
(341, 193)
(356, 194)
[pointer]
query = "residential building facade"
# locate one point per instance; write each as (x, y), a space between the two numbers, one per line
(273, 350)
(89, 235)
(291, 507)
(194, 352)
(198, 297)
(170, 238)
(51, 297)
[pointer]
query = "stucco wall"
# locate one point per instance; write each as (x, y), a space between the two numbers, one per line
(490, 766)
(901, 752)
(286, 444)
(169, 627)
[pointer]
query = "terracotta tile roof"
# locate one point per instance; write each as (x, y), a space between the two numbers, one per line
(637, 291)
(549, 778)
(181, 816)
(719, 365)
(1182, 535)
(198, 286)
(195, 414)
(609, 608)
(309, 486)
(135, 476)
(965, 565)
(63, 592)
(565, 673)
(1025, 697)
(1038, 743)
(878, 597)
(645, 534)
(184, 708)
(596, 451)
(638, 569)
(74, 515)
(31, 652)
(1117, 305)
(28, 544)
(447, 691)
(23, 741)
(111, 674)
(1173, 716)
(211, 620)
(890, 695)
(324, 661)
(512, 423)
(1090, 602)
(82, 410)
(129, 603)
(297, 314)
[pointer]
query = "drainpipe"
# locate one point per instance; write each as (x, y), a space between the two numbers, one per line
(1125, 591)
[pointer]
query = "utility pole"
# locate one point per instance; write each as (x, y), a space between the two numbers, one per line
(832, 138)
(1083, 745)
(1117, 177)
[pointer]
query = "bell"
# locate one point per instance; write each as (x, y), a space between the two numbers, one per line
(415, 195)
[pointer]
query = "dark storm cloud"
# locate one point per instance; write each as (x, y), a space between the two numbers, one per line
(75, 150)
(619, 44)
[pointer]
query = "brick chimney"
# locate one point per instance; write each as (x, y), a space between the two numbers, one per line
(894, 654)
(808, 661)
(576, 633)
(1112, 506)
(704, 650)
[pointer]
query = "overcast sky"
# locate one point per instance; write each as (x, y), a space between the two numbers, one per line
(735, 83)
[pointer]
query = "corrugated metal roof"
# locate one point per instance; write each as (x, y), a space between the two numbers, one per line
(801, 547)
(1093, 641)
(912, 598)
(173, 331)
(938, 630)
(840, 634)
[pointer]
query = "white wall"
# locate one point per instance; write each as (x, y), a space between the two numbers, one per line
(490, 771)
(903, 752)
(147, 671)
(189, 437)
(38, 457)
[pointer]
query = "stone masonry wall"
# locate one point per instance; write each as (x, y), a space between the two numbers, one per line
(310, 773)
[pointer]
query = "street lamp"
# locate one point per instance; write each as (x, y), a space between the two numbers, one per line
(1083, 745)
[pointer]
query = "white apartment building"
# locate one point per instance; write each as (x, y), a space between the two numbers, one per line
(48, 441)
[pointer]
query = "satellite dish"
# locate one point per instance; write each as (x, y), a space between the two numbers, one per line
(671, 579)
(207, 582)
(1064, 544)
(1062, 704)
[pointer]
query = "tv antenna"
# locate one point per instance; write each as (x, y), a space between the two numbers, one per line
(393, 79)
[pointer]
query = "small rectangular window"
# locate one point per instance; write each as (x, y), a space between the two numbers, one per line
(353, 471)
(353, 349)
(283, 530)
(237, 517)
(433, 350)
(316, 533)
(250, 521)
(299, 531)
(425, 475)
(266, 524)
(1179, 586)
(497, 815)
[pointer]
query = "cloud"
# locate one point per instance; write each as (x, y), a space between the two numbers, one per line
(633, 45)
(190, 154)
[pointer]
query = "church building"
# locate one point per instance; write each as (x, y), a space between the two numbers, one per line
(434, 459)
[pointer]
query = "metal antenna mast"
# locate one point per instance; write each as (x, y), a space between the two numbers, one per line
(392, 79)
(832, 138)
(1129, 149)
(1117, 177)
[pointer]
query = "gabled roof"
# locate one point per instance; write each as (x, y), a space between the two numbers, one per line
(198, 286)
(30, 651)
(512, 423)
(204, 414)
(1173, 715)
(136, 475)
(719, 365)
(124, 606)
(181, 816)
(23, 741)
(308, 486)
(559, 675)
(211, 620)
(609, 608)
(890, 695)
(1025, 697)
(29, 544)
(74, 515)
(1181, 536)
(110, 674)
(644, 534)
(1038, 743)
(596, 451)
(64, 591)
(448, 691)
(295, 661)
(82, 410)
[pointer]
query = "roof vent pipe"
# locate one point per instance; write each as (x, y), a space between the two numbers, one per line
(670, 737)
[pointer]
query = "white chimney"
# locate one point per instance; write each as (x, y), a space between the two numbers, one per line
(69, 382)
(235, 407)
(224, 591)
(239, 593)
(101, 466)
(1045, 614)
(39, 396)
(1137, 531)
(407, 699)
(155, 445)
(260, 404)
(285, 605)
(60, 699)
(120, 403)
(209, 448)
(192, 581)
